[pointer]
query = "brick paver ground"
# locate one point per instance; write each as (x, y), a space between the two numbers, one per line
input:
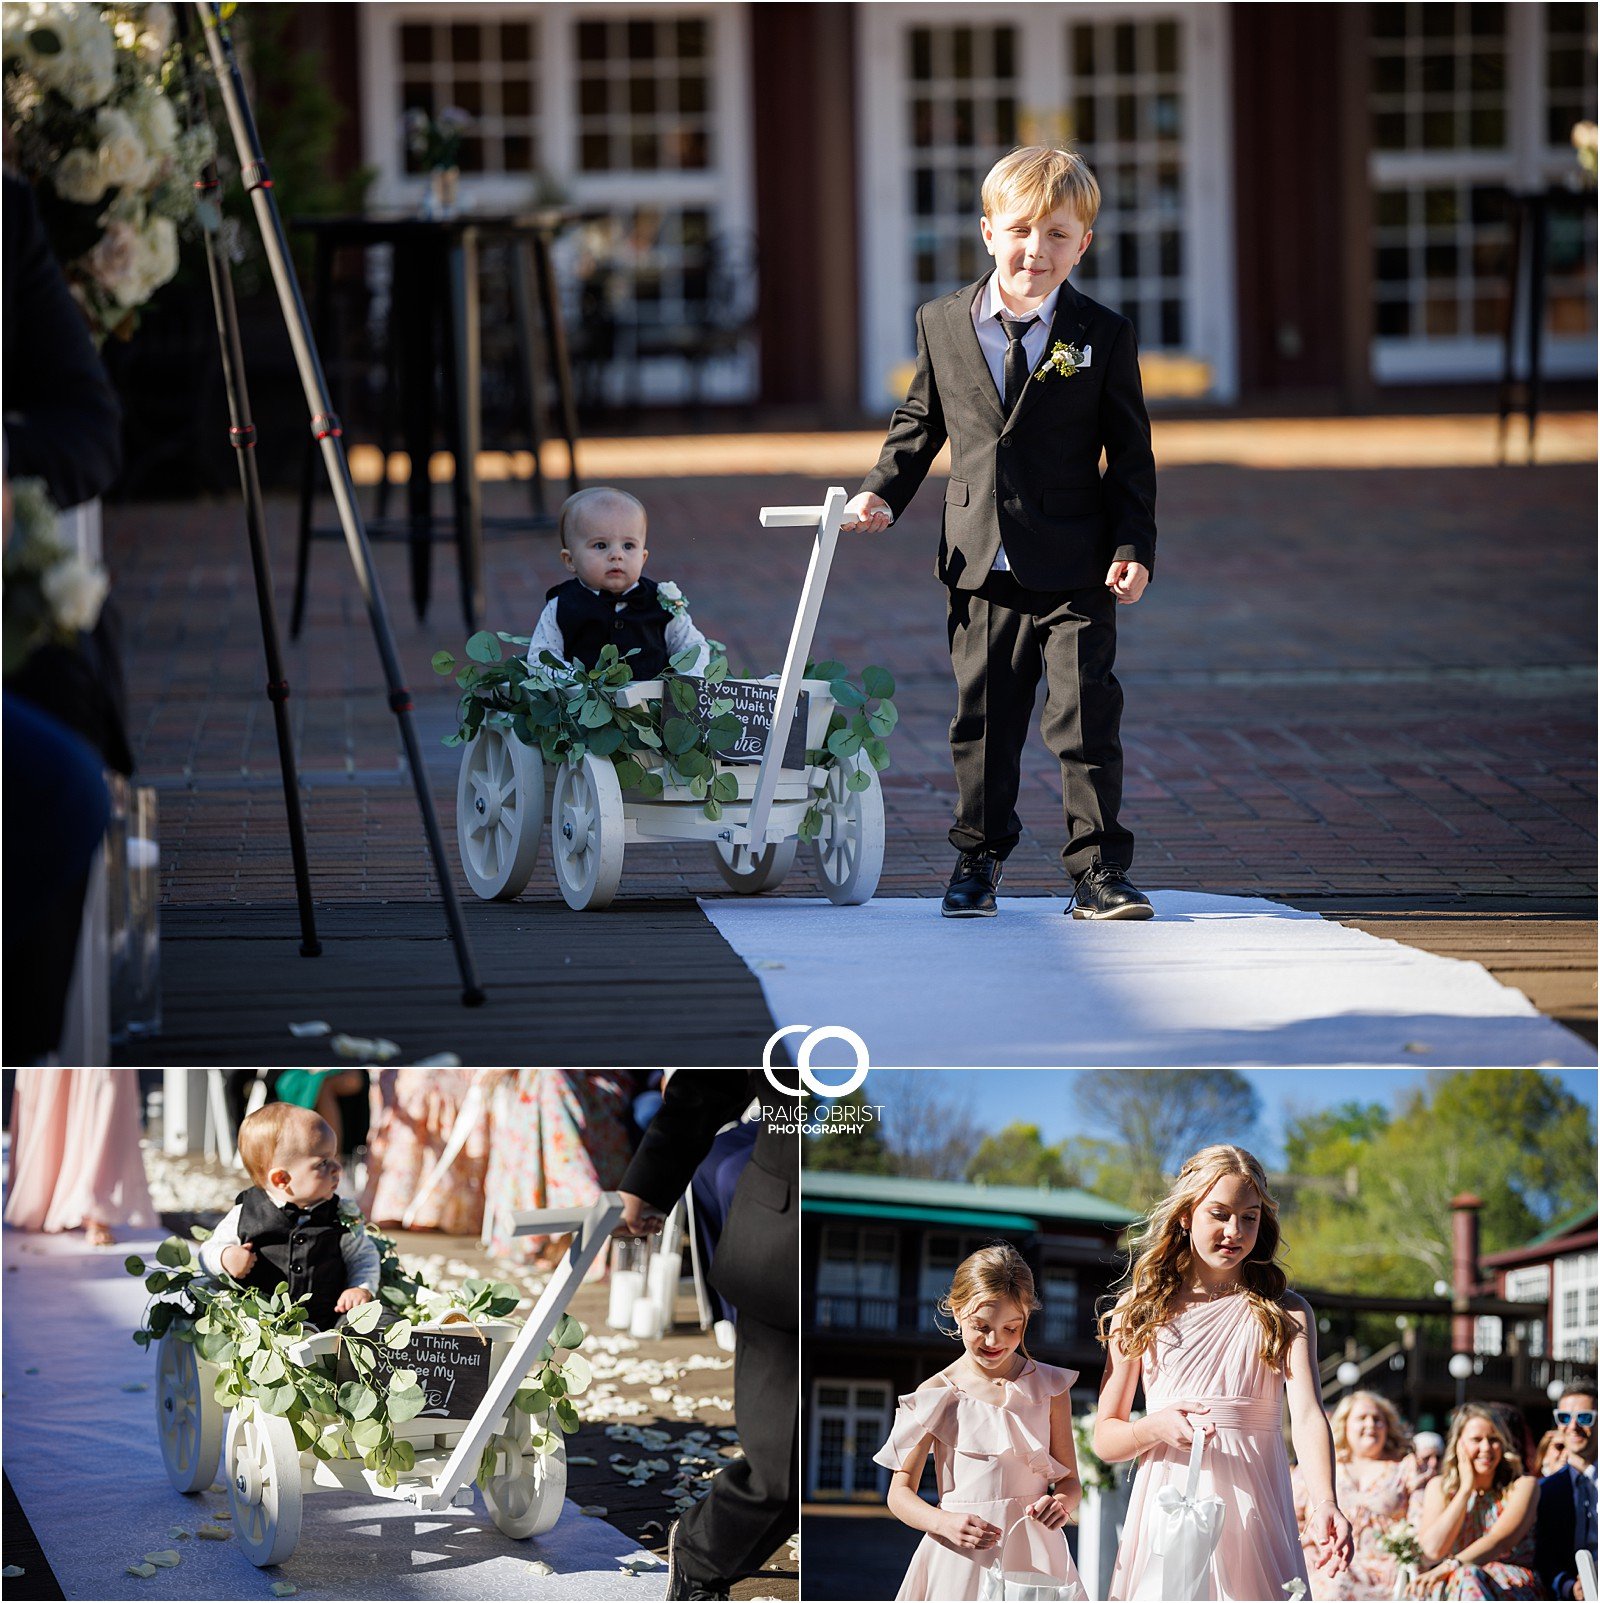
(1359, 682)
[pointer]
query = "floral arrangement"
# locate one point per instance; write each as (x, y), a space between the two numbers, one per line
(248, 1337)
(1401, 1544)
(89, 120)
(1063, 359)
(436, 141)
(51, 593)
(569, 712)
(1586, 144)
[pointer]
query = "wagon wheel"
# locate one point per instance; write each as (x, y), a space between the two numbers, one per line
(189, 1419)
(499, 813)
(748, 871)
(264, 1487)
(526, 1490)
(586, 828)
(848, 851)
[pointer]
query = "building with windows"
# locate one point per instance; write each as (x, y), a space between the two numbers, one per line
(1557, 1271)
(877, 1252)
(1307, 200)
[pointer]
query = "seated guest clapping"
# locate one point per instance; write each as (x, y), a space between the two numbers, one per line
(1566, 1519)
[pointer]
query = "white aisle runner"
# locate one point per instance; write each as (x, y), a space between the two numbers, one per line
(82, 1456)
(1212, 980)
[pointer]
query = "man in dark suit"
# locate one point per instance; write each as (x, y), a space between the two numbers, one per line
(1566, 1520)
(1030, 381)
(753, 1504)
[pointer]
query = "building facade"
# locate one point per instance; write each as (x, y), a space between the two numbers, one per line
(1556, 1270)
(878, 1252)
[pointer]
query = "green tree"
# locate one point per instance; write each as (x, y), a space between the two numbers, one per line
(1018, 1156)
(846, 1151)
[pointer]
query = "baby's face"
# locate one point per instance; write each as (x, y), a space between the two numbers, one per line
(308, 1170)
(607, 552)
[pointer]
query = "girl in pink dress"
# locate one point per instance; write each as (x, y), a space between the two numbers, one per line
(1208, 1325)
(999, 1426)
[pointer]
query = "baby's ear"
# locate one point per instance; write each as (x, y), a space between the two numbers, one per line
(278, 1177)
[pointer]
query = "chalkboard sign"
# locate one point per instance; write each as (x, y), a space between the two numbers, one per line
(453, 1371)
(753, 703)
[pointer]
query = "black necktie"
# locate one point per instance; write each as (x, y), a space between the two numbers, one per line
(1016, 368)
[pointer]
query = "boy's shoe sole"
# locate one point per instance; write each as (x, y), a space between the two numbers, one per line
(1133, 910)
(969, 912)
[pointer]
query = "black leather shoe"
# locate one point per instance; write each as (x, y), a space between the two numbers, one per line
(680, 1585)
(1105, 891)
(970, 893)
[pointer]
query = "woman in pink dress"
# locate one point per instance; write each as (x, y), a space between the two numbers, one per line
(75, 1158)
(1210, 1328)
(999, 1426)
(1375, 1479)
(1476, 1526)
(417, 1111)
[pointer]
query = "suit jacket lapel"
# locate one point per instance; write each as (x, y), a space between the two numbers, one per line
(1068, 326)
(958, 311)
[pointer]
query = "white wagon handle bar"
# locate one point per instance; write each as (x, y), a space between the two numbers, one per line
(591, 1227)
(826, 520)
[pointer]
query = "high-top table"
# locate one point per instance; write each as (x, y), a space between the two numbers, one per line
(434, 320)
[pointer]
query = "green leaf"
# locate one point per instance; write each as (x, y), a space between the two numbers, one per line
(725, 788)
(858, 781)
(712, 809)
(199, 1233)
(577, 1371)
(646, 736)
(567, 1415)
(277, 1399)
(595, 713)
(443, 662)
(696, 765)
(531, 1400)
(651, 786)
(368, 1433)
(679, 734)
(406, 1404)
(877, 681)
(405, 1456)
(683, 661)
(457, 739)
(398, 1335)
(826, 670)
(846, 694)
(605, 742)
(513, 640)
(844, 743)
(717, 672)
(134, 1266)
(629, 773)
(362, 1319)
(483, 647)
(568, 1333)
(883, 718)
(699, 788)
(682, 694)
(174, 1253)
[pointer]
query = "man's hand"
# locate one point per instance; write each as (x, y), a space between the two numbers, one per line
(1126, 581)
(867, 511)
(639, 1218)
(239, 1260)
(351, 1297)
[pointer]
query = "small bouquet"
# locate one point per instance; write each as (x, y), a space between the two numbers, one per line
(1401, 1544)
(436, 141)
(51, 593)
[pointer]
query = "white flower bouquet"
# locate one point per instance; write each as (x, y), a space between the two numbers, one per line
(51, 593)
(89, 121)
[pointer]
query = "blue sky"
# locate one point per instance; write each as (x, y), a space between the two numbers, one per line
(1044, 1096)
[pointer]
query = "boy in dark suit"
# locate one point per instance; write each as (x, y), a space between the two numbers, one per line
(1030, 381)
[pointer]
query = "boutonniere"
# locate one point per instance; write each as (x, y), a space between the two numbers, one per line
(1063, 359)
(671, 598)
(350, 1216)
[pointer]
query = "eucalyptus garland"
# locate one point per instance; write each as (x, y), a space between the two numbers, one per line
(569, 711)
(247, 1336)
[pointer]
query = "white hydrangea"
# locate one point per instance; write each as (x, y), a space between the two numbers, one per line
(76, 592)
(78, 177)
(124, 161)
(157, 124)
(84, 69)
(114, 263)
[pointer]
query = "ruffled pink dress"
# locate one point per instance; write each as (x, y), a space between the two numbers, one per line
(1211, 1353)
(989, 1459)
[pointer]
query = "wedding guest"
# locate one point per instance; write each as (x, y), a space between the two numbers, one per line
(1551, 1454)
(322, 1091)
(75, 1156)
(1567, 1519)
(1209, 1327)
(559, 1138)
(1477, 1519)
(417, 1112)
(1428, 1445)
(1375, 1478)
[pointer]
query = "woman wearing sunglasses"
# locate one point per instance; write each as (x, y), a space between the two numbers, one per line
(1567, 1498)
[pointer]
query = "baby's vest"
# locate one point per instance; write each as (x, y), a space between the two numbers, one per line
(298, 1247)
(636, 621)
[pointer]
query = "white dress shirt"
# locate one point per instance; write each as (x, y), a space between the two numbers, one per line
(681, 635)
(993, 341)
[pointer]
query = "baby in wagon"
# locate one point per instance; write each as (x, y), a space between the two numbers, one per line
(289, 1227)
(608, 601)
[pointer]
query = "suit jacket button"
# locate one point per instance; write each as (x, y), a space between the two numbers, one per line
(1005, 439)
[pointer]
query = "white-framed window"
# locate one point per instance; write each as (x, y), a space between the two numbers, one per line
(1141, 89)
(942, 1251)
(849, 1422)
(637, 113)
(1466, 101)
(858, 1279)
(1529, 1284)
(1574, 1305)
(1058, 1291)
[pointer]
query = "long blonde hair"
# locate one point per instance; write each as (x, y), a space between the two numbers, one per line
(1396, 1433)
(1507, 1470)
(1159, 1256)
(988, 1275)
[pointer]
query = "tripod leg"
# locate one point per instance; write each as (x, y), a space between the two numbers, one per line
(242, 434)
(556, 337)
(323, 291)
(325, 426)
(1508, 355)
(519, 256)
(464, 369)
(1538, 289)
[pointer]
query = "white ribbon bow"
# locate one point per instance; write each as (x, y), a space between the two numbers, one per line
(1187, 1530)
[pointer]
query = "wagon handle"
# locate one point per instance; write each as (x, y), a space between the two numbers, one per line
(826, 519)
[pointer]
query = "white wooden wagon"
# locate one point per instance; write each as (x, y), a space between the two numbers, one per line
(268, 1478)
(501, 791)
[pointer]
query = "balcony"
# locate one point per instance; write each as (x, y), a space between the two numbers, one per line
(863, 1316)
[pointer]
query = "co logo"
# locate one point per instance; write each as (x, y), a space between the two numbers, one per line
(811, 1079)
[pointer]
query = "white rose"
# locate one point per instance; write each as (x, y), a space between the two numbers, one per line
(123, 160)
(76, 592)
(85, 68)
(114, 263)
(160, 253)
(158, 124)
(78, 179)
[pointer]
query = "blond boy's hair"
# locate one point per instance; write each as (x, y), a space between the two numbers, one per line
(1036, 180)
(266, 1132)
(582, 505)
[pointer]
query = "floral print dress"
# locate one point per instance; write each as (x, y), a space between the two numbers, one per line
(1373, 1507)
(1513, 1576)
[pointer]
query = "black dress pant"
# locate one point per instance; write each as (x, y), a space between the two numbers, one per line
(1003, 638)
(753, 1504)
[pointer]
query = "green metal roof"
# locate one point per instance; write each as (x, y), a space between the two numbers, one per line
(1562, 1227)
(879, 1190)
(933, 1216)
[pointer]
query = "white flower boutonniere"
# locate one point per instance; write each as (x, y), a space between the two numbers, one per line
(1063, 359)
(671, 598)
(350, 1217)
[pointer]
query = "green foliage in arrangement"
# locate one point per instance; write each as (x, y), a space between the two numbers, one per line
(249, 1337)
